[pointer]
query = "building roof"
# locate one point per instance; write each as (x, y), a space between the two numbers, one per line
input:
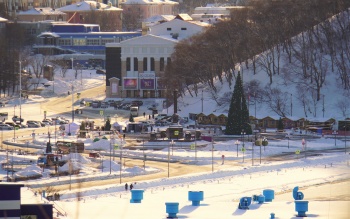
(149, 39)
(159, 18)
(150, 2)
(88, 6)
(41, 11)
(184, 17)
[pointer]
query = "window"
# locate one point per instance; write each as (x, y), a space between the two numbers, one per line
(161, 64)
(104, 41)
(168, 29)
(152, 64)
(91, 42)
(79, 42)
(136, 64)
(128, 64)
(145, 64)
(183, 28)
(168, 60)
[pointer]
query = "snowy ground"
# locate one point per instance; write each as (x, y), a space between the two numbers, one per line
(235, 178)
(222, 188)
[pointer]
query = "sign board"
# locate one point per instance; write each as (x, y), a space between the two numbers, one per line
(243, 149)
(101, 112)
(176, 132)
(297, 152)
(192, 146)
(4, 116)
(116, 146)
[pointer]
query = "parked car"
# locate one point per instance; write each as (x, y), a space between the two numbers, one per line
(6, 127)
(100, 72)
(137, 103)
(17, 119)
(33, 124)
(2, 104)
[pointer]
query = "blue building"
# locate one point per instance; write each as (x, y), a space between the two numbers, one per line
(11, 207)
(66, 38)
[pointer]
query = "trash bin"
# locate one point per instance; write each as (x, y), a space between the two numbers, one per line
(153, 136)
(198, 134)
(188, 136)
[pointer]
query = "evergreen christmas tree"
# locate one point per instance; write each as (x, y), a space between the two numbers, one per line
(131, 118)
(108, 125)
(280, 124)
(238, 115)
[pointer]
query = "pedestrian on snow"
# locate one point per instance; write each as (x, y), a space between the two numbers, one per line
(124, 136)
(144, 114)
(126, 187)
(149, 116)
(131, 186)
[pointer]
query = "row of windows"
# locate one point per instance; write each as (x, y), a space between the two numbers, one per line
(145, 66)
(182, 28)
(87, 42)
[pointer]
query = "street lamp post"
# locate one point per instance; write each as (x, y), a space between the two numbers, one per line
(20, 92)
(255, 131)
(168, 159)
(242, 134)
(212, 153)
(345, 129)
(237, 143)
(335, 137)
(120, 160)
(303, 142)
(110, 154)
(172, 147)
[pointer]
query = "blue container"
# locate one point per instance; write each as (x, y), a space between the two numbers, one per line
(136, 195)
(195, 197)
(272, 215)
(261, 199)
(301, 206)
(297, 195)
(172, 208)
(269, 195)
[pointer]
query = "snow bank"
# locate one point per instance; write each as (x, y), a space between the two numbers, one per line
(76, 157)
(31, 170)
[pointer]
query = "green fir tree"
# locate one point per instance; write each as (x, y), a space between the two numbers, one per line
(108, 125)
(238, 115)
(280, 124)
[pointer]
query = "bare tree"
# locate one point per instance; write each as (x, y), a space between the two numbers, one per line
(343, 106)
(276, 100)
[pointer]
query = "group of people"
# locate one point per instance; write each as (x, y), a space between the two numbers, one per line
(127, 186)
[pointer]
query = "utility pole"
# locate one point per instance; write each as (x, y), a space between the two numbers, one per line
(20, 92)
(202, 101)
(291, 104)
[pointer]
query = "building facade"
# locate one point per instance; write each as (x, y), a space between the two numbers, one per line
(134, 66)
(150, 8)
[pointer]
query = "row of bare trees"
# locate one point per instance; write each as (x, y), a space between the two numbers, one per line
(304, 34)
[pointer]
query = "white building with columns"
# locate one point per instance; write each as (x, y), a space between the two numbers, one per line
(134, 66)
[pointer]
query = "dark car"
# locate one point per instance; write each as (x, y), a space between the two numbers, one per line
(100, 72)
(17, 119)
(2, 104)
(137, 103)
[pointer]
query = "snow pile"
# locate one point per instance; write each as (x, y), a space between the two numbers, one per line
(106, 164)
(102, 144)
(73, 166)
(32, 170)
(76, 157)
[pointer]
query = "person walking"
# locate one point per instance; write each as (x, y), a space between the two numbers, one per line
(144, 114)
(131, 186)
(126, 187)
